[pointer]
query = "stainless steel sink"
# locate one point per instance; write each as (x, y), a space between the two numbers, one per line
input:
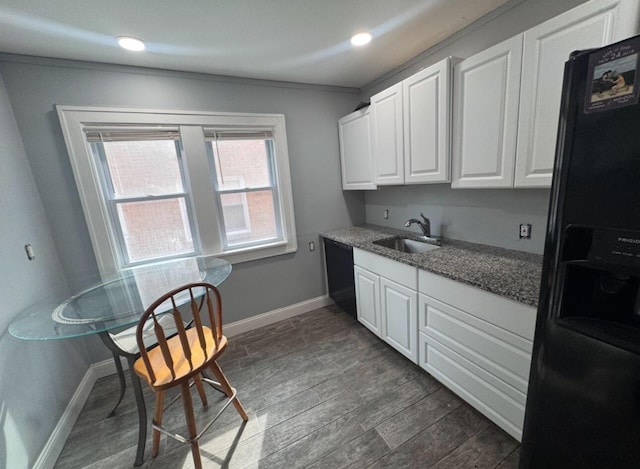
(406, 245)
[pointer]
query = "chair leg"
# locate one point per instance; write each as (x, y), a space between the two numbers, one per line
(203, 397)
(191, 424)
(217, 371)
(157, 420)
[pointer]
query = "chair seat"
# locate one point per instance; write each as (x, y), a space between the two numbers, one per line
(181, 366)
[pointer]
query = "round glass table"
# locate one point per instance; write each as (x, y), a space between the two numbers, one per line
(112, 309)
(116, 302)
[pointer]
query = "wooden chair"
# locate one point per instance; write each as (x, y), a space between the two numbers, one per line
(181, 359)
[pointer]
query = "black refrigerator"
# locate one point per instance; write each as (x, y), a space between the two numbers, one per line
(583, 402)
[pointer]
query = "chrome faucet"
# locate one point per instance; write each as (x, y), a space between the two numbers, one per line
(424, 225)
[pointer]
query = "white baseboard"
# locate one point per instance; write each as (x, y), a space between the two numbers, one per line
(107, 367)
(270, 317)
(52, 449)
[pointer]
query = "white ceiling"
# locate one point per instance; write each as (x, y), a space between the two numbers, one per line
(304, 41)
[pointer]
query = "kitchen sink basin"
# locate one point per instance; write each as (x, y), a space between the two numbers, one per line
(406, 245)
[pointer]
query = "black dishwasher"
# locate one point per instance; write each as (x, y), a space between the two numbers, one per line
(339, 260)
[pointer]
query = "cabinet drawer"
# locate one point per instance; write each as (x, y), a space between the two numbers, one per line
(400, 273)
(496, 350)
(510, 315)
(501, 403)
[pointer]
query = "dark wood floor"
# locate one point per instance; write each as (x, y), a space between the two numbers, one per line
(321, 392)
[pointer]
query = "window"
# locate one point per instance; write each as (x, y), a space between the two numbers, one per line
(245, 186)
(142, 177)
(161, 185)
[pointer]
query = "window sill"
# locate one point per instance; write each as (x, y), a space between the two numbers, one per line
(253, 253)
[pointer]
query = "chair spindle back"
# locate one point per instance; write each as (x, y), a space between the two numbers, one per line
(163, 330)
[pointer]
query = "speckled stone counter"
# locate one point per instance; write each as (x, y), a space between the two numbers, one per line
(505, 272)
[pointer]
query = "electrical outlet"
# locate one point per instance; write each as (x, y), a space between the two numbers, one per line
(386, 214)
(525, 231)
(312, 246)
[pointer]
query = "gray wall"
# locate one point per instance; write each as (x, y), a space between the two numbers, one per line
(311, 113)
(483, 215)
(37, 379)
(487, 216)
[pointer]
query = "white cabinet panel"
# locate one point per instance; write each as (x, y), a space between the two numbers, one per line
(387, 300)
(426, 107)
(386, 127)
(502, 353)
(486, 97)
(399, 315)
(518, 318)
(355, 151)
(368, 299)
(476, 386)
(478, 344)
(411, 128)
(398, 272)
(546, 49)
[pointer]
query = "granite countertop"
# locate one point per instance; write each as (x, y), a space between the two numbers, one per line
(505, 272)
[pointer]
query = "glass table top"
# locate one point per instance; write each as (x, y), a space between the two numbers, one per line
(115, 303)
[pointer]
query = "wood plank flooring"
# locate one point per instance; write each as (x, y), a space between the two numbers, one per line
(321, 392)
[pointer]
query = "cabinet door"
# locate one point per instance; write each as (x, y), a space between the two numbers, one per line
(398, 306)
(356, 159)
(546, 49)
(386, 125)
(486, 95)
(426, 107)
(368, 299)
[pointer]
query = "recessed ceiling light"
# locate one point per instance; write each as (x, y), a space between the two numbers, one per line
(131, 43)
(361, 39)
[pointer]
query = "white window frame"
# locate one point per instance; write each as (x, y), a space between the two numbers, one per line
(75, 119)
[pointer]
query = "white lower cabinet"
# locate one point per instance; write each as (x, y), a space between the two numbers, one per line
(368, 299)
(387, 300)
(399, 306)
(474, 342)
(479, 345)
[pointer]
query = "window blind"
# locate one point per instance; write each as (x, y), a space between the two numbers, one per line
(216, 134)
(96, 134)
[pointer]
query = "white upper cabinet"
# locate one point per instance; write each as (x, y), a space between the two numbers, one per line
(485, 116)
(404, 137)
(410, 125)
(500, 130)
(426, 111)
(546, 49)
(507, 98)
(355, 151)
(386, 128)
